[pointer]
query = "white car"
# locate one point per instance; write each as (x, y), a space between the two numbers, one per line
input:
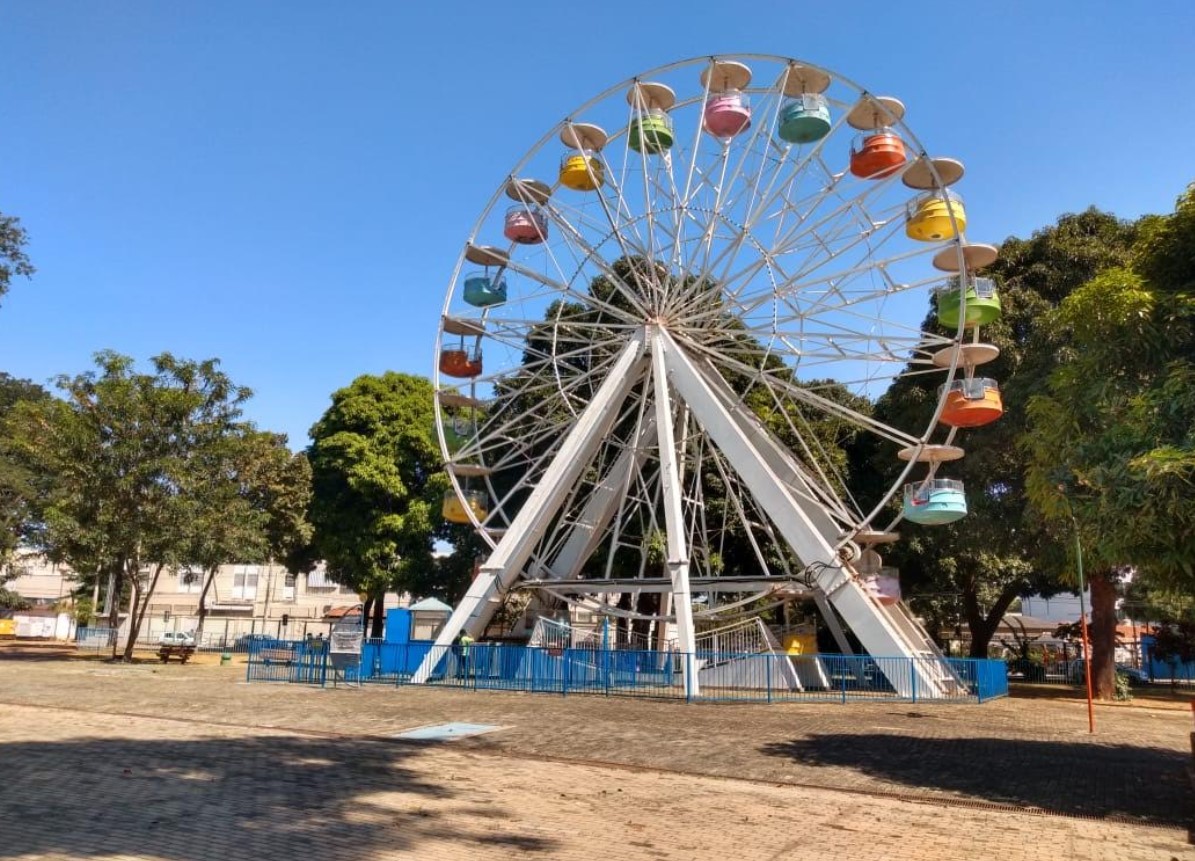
(176, 638)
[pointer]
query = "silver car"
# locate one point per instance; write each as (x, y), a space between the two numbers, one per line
(176, 638)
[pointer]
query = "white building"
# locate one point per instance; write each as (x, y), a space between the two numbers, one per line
(242, 599)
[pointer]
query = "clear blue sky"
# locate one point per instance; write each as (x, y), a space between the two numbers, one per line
(286, 185)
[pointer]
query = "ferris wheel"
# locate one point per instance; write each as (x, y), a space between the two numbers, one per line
(669, 317)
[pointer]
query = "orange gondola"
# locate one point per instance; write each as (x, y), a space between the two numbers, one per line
(972, 403)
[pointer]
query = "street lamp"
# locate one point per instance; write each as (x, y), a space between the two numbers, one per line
(1082, 609)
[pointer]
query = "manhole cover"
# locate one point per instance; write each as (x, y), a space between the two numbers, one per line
(447, 731)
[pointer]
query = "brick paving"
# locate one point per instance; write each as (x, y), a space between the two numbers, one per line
(213, 768)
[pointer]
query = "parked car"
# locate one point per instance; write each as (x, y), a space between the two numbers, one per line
(176, 638)
(1135, 676)
(246, 642)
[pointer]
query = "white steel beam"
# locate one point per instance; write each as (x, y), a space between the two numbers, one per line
(812, 546)
(586, 532)
(506, 563)
(674, 515)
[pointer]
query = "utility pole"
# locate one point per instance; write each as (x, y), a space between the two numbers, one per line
(1082, 610)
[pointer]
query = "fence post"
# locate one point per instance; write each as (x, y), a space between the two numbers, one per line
(843, 673)
(689, 668)
(913, 673)
(979, 669)
(768, 666)
(566, 657)
(606, 666)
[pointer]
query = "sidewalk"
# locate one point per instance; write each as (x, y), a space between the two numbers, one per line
(196, 791)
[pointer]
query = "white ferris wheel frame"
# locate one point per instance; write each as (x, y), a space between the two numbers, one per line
(686, 382)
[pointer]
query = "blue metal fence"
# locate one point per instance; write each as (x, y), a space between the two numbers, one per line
(301, 661)
(721, 676)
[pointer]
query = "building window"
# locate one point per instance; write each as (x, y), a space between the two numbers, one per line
(244, 583)
(288, 587)
(318, 581)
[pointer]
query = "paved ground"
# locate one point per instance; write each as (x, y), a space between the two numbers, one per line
(199, 765)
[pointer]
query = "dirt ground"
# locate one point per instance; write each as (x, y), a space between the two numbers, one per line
(190, 762)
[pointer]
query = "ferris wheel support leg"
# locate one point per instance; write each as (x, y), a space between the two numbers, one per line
(815, 549)
(674, 519)
(584, 535)
(506, 563)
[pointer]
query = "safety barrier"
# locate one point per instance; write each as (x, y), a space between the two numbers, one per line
(300, 661)
(721, 676)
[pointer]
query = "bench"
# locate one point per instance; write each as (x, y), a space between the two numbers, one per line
(183, 653)
(277, 656)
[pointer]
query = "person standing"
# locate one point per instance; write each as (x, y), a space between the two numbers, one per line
(460, 647)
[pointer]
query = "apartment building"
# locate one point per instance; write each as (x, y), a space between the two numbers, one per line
(242, 599)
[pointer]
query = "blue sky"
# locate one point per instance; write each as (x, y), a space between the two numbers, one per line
(287, 185)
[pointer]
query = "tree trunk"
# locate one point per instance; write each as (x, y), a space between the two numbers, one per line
(140, 608)
(379, 617)
(649, 605)
(117, 589)
(983, 626)
(209, 578)
(622, 627)
(366, 614)
(1103, 635)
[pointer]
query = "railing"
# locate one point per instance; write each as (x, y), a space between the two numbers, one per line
(1064, 671)
(301, 661)
(723, 676)
(101, 638)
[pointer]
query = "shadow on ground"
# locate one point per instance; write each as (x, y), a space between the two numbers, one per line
(35, 652)
(1148, 784)
(265, 797)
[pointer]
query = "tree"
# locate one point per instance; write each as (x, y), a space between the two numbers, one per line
(13, 259)
(120, 445)
(18, 480)
(377, 484)
(10, 600)
(247, 497)
(1112, 443)
(978, 567)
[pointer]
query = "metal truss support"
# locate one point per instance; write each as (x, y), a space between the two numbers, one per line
(586, 532)
(674, 517)
(739, 443)
(506, 563)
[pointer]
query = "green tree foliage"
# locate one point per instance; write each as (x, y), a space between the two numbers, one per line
(975, 569)
(18, 481)
(247, 496)
(10, 600)
(1113, 435)
(13, 259)
(120, 445)
(377, 485)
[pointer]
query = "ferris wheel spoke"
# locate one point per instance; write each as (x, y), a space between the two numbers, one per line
(800, 282)
(564, 289)
(799, 231)
(593, 256)
(802, 394)
(797, 169)
(736, 504)
(817, 458)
